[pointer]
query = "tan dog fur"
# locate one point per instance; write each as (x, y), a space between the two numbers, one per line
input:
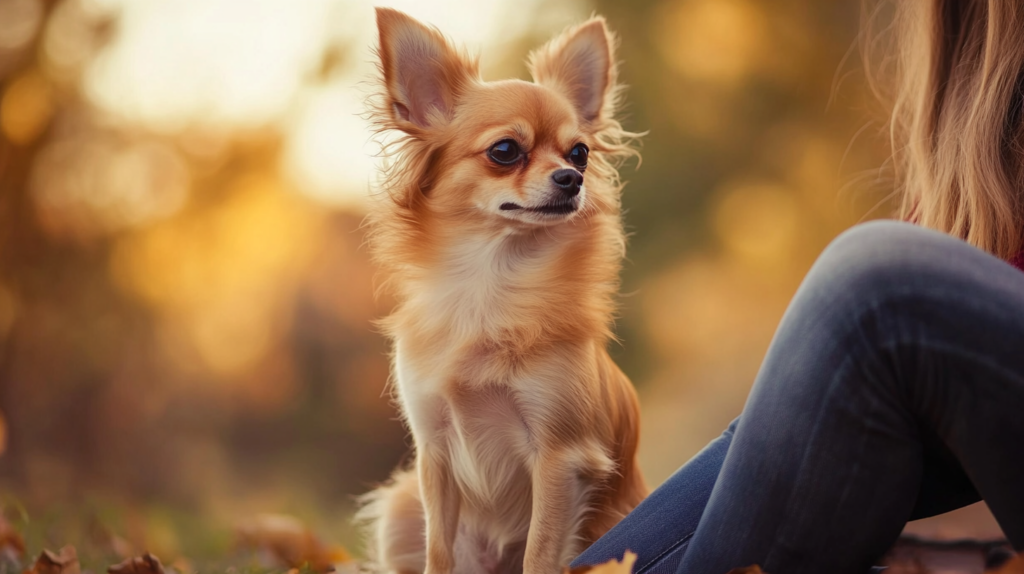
(525, 431)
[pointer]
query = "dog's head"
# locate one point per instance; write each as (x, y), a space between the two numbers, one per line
(500, 153)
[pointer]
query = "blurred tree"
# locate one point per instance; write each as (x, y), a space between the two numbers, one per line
(185, 305)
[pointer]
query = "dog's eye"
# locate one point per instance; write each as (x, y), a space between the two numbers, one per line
(505, 152)
(578, 155)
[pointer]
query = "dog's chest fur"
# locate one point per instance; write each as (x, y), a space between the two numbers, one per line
(464, 388)
(483, 434)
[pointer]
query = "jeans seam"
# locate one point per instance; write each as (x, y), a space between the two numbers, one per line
(840, 371)
(643, 567)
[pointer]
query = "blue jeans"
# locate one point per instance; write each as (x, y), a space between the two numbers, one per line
(893, 390)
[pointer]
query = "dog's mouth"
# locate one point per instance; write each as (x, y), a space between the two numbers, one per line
(553, 208)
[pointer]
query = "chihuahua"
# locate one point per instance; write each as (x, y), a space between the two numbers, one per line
(499, 227)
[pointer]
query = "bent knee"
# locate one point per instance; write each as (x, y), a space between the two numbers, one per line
(879, 256)
(878, 262)
(888, 243)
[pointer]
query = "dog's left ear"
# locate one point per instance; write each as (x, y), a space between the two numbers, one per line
(423, 74)
(579, 63)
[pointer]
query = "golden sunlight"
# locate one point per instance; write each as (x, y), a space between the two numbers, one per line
(175, 63)
(21, 19)
(710, 40)
(187, 301)
(758, 221)
(221, 65)
(26, 108)
(219, 279)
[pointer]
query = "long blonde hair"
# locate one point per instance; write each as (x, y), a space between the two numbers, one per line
(957, 124)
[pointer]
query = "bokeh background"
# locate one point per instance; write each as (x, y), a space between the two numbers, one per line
(186, 303)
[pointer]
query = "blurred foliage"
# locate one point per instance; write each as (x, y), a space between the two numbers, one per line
(185, 304)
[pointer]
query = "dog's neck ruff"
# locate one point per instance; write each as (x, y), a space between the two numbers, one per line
(548, 282)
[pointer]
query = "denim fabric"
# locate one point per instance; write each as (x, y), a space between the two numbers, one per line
(660, 528)
(893, 389)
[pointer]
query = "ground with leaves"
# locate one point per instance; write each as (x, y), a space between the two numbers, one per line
(281, 544)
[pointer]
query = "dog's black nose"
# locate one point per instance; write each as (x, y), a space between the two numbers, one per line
(568, 180)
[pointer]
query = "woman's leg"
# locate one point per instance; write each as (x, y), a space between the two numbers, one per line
(902, 346)
(660, 528)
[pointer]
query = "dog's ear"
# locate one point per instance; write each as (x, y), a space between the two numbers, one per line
(423, 74)
(580, 64)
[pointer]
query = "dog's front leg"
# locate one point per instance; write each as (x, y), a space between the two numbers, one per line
(441, 499)
(558, 493)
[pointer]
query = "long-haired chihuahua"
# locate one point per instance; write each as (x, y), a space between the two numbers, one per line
(499, 227)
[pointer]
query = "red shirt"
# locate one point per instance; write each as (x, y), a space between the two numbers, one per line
(1018, 261)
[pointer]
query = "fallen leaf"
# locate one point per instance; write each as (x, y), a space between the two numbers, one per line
(63, 562)
(625, 566)
(12, 545)
(145, 564)
(104, 538)
(119, 546)
(287, 542)
(1014, 565)
(180, 565)
(755, 569)
(3, 433)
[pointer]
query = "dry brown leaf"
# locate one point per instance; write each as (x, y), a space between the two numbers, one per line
(12, 545)
(289, 543)
(145, 564)
(119, 546)
(180, 565)
(63, 562)
(625, 566)
(106, 539)
(1014, 565)
(3, 433)
(755, 569)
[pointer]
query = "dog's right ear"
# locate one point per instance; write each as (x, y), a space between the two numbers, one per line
(423, 74)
